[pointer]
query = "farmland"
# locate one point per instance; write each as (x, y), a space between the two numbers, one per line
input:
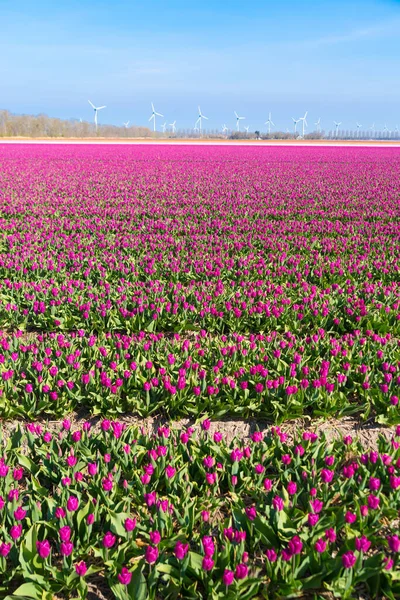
(198, 282)
(220, 280)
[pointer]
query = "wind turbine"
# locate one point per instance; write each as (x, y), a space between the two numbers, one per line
(247, 128)
(199, 120)
(224, 128)
(304, 123)
(96, 108)
(318, 124)
(269, 122)
(238, 119)
(173, 126)
(385, 129)
(337, 125)
(164, 127)
(358, 128)
(154, 113)
(126, 125)
(295, 121)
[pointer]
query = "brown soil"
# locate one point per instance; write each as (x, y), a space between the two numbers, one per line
(366, 432)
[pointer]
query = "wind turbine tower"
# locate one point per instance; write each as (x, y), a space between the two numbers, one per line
(304, 123)
(96, 109)
(154, 114)
(238, 119)
(200, 119)
(269, 122)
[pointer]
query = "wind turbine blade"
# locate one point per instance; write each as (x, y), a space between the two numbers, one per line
(92, 105)
(152, 117)
(152, 107)
(206, 118)
(236, 115)
(100, 107)
(272, 123)
(159, 114)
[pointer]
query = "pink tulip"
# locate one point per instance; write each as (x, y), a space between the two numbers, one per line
(151, 554)
(16, 531)
(81, 568)
(181, 550)
(72, 504)
(271, 555)
(43, 548)
(4, 549)
(130, 524)
(66, 548)
(241, 571)
(320, 545)
(207, 564)
(109, 540)
(348, 560)
(125, 576)
(65, 533)
(20, 514)
(228, 577)
(155, 537)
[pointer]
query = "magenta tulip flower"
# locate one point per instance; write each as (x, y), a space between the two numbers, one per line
(125, 576)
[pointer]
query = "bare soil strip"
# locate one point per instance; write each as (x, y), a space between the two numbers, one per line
(367, 432)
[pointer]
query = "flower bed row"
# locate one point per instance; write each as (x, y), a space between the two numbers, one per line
(274, 376)
(179, 513)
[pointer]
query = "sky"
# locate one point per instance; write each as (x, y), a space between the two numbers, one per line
(338, 60)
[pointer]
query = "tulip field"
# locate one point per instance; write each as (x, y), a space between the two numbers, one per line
(193, 280)
(182, 516)
(198, 282)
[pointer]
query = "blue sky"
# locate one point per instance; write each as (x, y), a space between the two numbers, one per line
(338, 60)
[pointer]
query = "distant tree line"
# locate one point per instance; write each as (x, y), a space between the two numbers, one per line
(37, 126)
